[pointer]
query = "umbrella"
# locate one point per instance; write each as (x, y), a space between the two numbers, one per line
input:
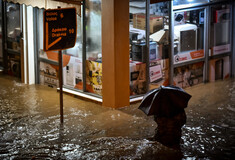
(165, 101)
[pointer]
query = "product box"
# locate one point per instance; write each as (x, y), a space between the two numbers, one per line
(179, 18)
(137, 78)
(94, 77)
(73, 72)
(155, 22)
(155, 73)
(48, 75)
(189, 75)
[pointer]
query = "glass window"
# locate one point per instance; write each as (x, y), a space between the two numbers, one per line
(13, 26)
(220, 40)
(93, 47)
(138, 50)
(159, 45)
(186, 2)
(1, 53)
(188, 35)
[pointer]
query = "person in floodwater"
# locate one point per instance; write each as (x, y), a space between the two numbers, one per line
(167, 105)
(168, 131)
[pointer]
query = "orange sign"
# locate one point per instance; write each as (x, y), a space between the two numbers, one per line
(60, 26)
(197, 54)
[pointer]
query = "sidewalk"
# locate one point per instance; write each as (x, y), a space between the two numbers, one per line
(30, 126)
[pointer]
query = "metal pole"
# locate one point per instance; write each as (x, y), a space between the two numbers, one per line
(84, 45)
(60, 58)
(207, 23)
(61, 86)
(171, 42)
(233, 41)
(147, 43)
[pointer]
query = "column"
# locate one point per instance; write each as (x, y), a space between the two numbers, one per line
(115, 53)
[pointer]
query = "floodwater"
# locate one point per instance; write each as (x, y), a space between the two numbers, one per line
(30, 126)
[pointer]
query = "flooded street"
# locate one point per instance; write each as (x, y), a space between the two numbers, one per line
(30, 126)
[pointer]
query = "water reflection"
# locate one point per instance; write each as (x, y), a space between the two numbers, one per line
(30, 126)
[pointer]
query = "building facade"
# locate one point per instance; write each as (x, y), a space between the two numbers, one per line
(123, 48)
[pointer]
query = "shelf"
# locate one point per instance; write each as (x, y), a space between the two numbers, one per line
(11, 51)
(188, 62)
(220, 55)
(49, 61)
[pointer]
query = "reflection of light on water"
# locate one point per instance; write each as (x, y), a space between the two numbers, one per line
(30, 126)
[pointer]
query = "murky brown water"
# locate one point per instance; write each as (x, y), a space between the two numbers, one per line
(30, 126)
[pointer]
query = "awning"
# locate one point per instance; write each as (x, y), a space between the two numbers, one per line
(49, 3)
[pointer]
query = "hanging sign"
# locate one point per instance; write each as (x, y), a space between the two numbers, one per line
(60, 29)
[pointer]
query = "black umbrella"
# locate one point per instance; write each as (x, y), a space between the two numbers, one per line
(165, 101)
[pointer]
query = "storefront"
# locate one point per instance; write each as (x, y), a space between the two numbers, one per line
(188, 42)
(19, 49)
(120, 55)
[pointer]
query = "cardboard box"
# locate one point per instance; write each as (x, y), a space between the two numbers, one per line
(137, 78)
(155, 73)
(189, 75)
(155, 22)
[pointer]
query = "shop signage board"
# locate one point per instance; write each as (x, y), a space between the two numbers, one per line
(188, 56)
(60, 26)
(60, 29)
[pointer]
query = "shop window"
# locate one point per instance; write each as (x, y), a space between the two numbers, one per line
(138, 50)
(93, 47)
(1, 53)
(189, 2)
(159, 46)
(220, 29)
(188, 35)
(13, 35)
(158, 53)
(13, 30)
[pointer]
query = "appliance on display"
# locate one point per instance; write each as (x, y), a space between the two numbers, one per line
(179, 18)
(222, 15)
(73, 74)
(201, 17)
(15, 67)
(136, 34)
(186, 35)
(78, 73)
(153, 51)
(70, 75)
(138, 50)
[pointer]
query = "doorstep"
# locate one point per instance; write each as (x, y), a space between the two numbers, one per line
(95, 99)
